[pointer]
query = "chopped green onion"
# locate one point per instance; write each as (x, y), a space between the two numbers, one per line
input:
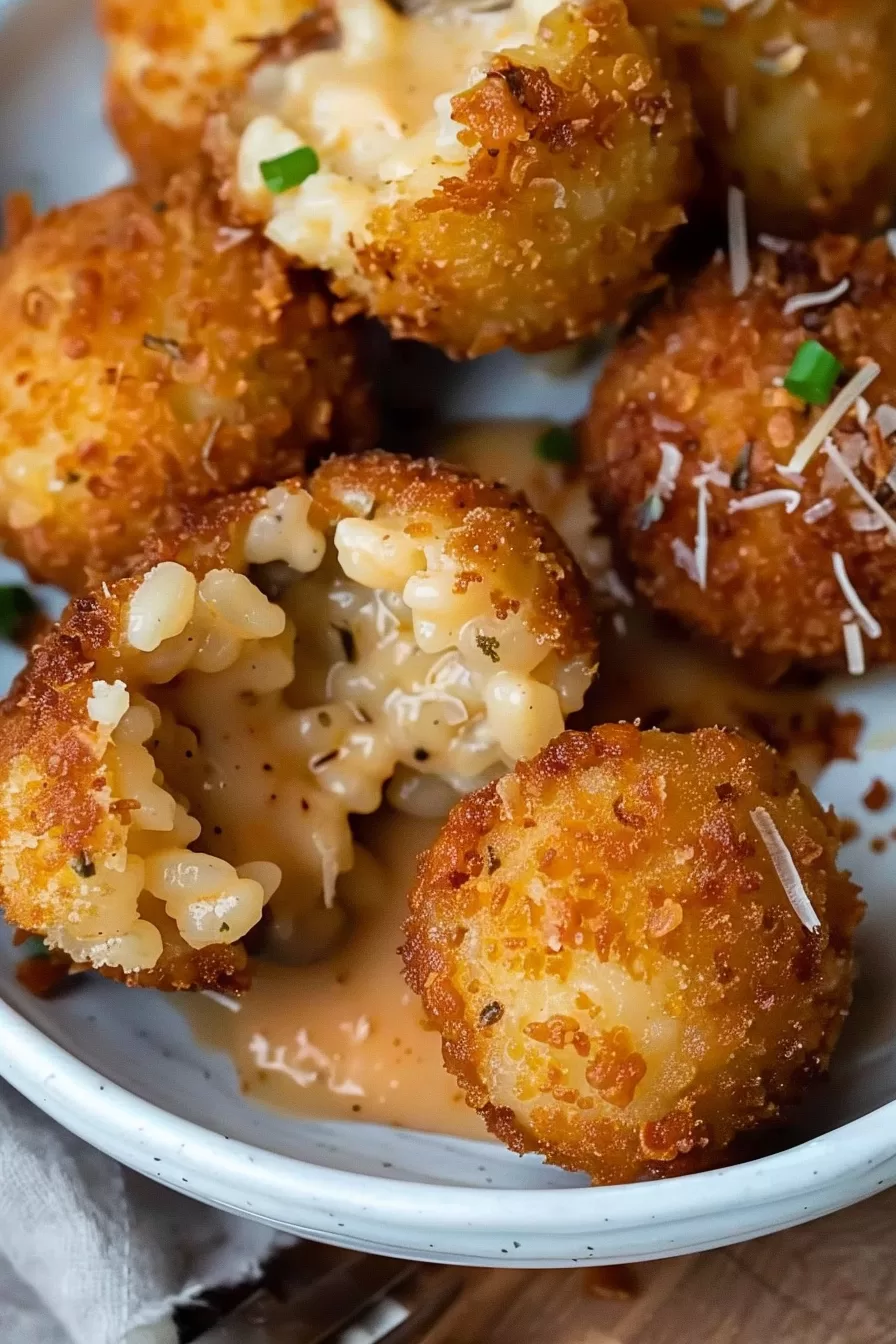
(813, 373)
(16, 606)
(34, 946)
(289, 170)
(557, 444)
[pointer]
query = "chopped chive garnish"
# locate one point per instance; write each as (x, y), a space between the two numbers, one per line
(16, 606)
(713, 17)
(650, 512)
(813, 373)
(556, 444)
(34, 946)
(289, 170)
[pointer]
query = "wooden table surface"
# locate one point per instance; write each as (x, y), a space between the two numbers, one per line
(830, 1282)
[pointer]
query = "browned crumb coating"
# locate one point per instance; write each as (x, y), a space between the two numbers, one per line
(153, 357)
(169, 63)
(110, 737)
(795, 102)
(619, 979)
(579, 162)
(704, 374)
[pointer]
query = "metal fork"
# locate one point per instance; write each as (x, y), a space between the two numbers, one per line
(322, 1295)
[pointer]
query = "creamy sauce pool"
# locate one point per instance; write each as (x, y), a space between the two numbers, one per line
(345, 1038)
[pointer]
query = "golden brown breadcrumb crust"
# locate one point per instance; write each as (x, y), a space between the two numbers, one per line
(170, 61)
(153, 357)
(581, 162)
(52, 806)
(701, 374)
(490, 523)
(795, 103)
(620, 982)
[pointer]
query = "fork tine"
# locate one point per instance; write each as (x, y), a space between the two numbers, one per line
(336, 1286)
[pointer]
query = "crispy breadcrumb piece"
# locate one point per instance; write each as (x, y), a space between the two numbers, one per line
(605, 943)
(154, 356)
(700, 388)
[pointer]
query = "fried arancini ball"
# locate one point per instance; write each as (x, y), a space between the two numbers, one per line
(169, 63)
(153, 356)
(795, 102)
(481, 178)
(188, 744)
(604, 943)
(697, 392)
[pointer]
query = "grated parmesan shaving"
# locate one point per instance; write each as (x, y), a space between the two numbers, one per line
(863, 520)
(684, 558)
(863, 410)
(891, 241)
(886, 419)
(738, 249)
(864, 494)
(855, 649)
(833, 414)
(711, 473)
(797, 302)
(773, 244)
(863, 615)
(701, 542)
(789, 498)
(233, 1005)
(784, 866)
(670, 466)
(664, 425)
(822, 509)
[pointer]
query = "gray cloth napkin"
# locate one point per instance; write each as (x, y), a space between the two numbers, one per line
(91, 1253)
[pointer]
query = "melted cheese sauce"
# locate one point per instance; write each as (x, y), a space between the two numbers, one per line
(345, 1039)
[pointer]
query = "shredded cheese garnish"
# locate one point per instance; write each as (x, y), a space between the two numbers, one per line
(863, 520)
(863, 410)
(738, 249)
(891, 241)
(667, 476)
(701, 542)
(784, 866)
(684, 558)
(862, 614)
(885, 416)
(833, 414)
(773, 244)
(854, 648)
(797, 302)
(822, 509)
(789, 498)
(863, 493)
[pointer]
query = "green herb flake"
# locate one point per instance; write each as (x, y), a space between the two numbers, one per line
(289, 170)
(489, 645)
(740, 472)
(713, 17)
(557, 444)
(650, 512)
(813, 373)
(83, 864)
(17, 606)
(34, 947)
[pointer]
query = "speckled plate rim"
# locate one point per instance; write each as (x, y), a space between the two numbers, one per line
(534, 1227)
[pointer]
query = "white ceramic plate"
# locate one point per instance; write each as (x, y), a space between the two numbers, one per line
(120, 1068)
